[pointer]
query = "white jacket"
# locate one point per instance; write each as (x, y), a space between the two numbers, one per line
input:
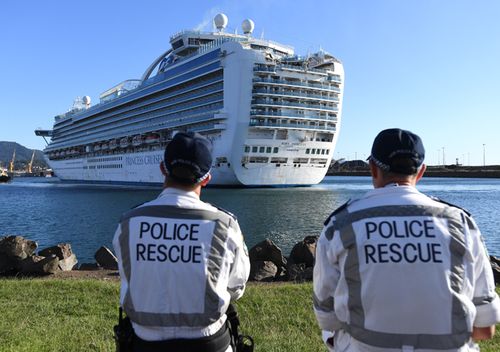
(181, 262)
(399, 271)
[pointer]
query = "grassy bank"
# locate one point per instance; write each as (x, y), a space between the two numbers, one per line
(78, 315)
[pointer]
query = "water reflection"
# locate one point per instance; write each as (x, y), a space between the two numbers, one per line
(86, 216)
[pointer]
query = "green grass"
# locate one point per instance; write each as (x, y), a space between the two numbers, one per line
(78, 315)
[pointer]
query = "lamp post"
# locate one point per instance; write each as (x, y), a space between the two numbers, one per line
(444, 162)
(484, 154)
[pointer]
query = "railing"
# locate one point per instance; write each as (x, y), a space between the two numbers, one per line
(298, 84)
(335, 78)
(295, 105)
(266, 68)
(290, 125)
(299, 68)
(303, 95)
(291, 115)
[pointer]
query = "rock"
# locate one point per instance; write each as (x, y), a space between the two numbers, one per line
(495, 260)
(263, 270)
(105, 258)
(17, 247)
(39, 265)
(69, 263)
(495, 266)
(299, 272)
(62, 251)
(268, 251)
(8, 265)
(89, 266)
(304, 252)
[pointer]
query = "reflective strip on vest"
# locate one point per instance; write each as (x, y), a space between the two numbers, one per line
(326, 305)
(459, 335)
(217, 248)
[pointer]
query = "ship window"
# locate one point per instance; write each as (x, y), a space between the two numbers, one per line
(247, 149)
(262, 149)
(313, 151)
(275, 150)
(254, 149)
(322, 151)
(177, 44)
(308, 150)
(268, 149)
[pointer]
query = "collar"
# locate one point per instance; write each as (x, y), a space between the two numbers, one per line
(172, 191)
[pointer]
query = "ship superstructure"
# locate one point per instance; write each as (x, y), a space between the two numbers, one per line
(273, 116)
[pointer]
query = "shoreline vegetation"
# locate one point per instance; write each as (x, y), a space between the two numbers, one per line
(77, 314)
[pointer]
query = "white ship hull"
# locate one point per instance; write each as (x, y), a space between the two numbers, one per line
(144, 168)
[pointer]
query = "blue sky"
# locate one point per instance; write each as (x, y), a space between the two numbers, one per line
(431, 66)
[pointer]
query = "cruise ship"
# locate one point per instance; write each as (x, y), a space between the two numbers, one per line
(273, 116)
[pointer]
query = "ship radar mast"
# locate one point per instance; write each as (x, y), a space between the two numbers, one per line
(86, 100)
(220, 22)
(247, 26)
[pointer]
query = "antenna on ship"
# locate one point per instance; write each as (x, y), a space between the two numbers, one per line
(247, 26)
(220, 22)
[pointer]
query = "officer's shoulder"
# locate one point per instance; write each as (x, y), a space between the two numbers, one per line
(450, 204)
(129, 212)
(225, 212)
(337, 211)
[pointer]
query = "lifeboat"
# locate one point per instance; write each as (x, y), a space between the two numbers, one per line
(152, 138)
(124, 142)
(104, 146)
(97, 147)
(113, 144)
(137, 140)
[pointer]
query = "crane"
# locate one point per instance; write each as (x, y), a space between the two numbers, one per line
(11, 165)
(30, 164)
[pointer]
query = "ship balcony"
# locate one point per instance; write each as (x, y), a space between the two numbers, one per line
(284, 93)
(282, 82)
(181, 120)
(262, 102)
(208, 127)
(264, 68)
(335, 78)
(293, 115)
(302, 69)
(290, 125)
(43, 133)
(268, 68)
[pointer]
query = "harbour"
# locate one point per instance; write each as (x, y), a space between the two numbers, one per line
(85, 215)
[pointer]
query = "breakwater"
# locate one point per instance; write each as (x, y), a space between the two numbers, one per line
(432, 171)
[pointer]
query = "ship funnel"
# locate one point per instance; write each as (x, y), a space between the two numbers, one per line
(247, 26)
(220, 21)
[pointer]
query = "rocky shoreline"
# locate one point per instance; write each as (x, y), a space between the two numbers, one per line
(19, 258)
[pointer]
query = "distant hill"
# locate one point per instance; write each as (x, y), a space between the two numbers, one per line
(23, 156)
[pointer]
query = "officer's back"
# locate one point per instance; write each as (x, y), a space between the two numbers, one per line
(181, 260)
(397, 270)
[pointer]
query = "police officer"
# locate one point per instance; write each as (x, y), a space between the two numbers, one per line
(399, 271)
(181, 260)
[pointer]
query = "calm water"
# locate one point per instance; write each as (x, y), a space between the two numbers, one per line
(51, 212)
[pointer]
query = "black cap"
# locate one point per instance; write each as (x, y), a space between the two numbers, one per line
(188, 157)
(398, 151)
